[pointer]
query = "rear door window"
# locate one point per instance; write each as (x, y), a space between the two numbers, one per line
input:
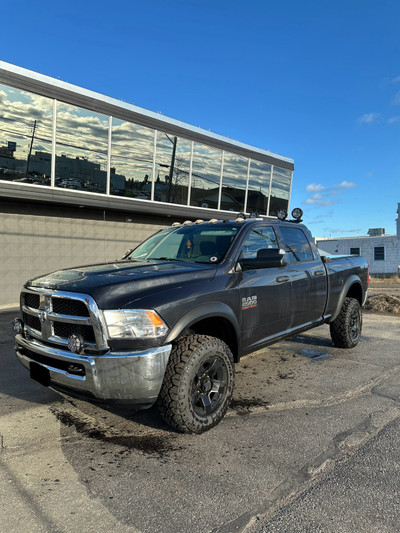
(297, 246)
(259, 238)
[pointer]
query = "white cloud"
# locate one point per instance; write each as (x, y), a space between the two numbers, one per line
(339, 230)
(321, 218)
(369, 118)
(330, 196)
(318, 199)
(314, 187)
(396, 99)
(393, 120)
(346, 185)
(388, 81)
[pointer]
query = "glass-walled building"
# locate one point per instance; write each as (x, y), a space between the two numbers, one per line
(84, 177)
(64, 142)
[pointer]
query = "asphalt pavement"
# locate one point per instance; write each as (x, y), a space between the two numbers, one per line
(310, 444)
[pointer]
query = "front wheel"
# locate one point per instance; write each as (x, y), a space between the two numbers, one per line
(198, 384)
(346, 328)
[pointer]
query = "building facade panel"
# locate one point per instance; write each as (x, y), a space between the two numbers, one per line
(34, 241)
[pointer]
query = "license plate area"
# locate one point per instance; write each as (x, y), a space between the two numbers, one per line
(39, 373)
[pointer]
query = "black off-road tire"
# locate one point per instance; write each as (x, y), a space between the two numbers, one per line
(346, 328)
(198, 384)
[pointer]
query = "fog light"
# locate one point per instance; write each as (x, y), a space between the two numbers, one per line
(18, 326)
(75, 343)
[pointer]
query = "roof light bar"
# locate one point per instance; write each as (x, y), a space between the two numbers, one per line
(282, 214)
(297, 213)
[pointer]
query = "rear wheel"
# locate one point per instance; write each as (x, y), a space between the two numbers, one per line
(346, 328)
(198, 384)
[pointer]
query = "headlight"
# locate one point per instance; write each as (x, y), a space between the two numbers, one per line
(134, 323)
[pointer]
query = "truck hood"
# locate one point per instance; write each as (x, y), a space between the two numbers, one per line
(122, 282)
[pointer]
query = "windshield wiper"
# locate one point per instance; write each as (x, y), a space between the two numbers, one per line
(164, 259)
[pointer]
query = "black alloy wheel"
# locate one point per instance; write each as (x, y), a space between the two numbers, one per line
(198, 384)
(346, 328)
(209, 386)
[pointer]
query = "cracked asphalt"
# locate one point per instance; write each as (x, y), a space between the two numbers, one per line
(311, 443)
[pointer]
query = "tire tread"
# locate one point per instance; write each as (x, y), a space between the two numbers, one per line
(339, 328)
(172, 401)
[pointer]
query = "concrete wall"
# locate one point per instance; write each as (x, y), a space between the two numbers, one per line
(391, 244)
(33, 244)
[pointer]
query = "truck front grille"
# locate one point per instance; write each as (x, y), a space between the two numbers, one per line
(66, 330)
(63, 306)
(32, 300)
(32, 322)
(53, 316)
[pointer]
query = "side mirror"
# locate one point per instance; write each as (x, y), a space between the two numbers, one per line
(127, 253)
(266, 258)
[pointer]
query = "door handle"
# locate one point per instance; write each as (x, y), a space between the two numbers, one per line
(319, 273)
(282, 279)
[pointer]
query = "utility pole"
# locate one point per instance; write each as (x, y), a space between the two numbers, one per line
(30, 148)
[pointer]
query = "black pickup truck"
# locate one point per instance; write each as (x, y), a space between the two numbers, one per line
(167, 322)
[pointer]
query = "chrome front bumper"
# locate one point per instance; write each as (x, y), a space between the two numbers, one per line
(131, 377)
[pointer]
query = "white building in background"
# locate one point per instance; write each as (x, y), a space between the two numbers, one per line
(381, 251)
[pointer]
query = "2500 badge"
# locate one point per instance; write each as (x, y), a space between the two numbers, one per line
(249, 302)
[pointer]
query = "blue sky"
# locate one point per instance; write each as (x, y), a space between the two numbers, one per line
(317, 81)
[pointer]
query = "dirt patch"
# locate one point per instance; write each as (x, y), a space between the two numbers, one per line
(243, 406)
(147, 444)
(389, 283)
(384, 296)
(383, 303)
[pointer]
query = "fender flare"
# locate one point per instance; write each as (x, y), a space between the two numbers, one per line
(201, 312)
(350, 282)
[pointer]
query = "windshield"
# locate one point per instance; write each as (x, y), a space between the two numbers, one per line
(187, 243)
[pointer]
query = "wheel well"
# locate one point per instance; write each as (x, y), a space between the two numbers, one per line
(355, 291)
(217, 327)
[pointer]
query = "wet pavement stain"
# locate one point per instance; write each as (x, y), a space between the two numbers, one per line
(147, 444)
(314, 355)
